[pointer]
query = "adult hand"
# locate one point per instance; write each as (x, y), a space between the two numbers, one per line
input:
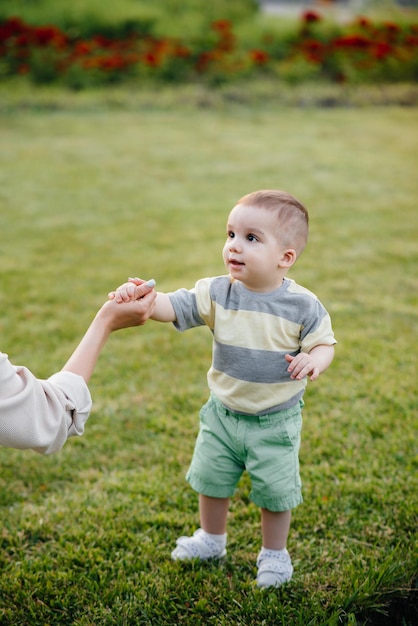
(133, 313)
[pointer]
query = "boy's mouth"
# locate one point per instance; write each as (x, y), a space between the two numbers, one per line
(235, 263)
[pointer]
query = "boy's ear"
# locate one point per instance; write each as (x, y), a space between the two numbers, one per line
(288, 258)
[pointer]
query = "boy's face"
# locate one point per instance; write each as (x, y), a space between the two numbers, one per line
(253, 252)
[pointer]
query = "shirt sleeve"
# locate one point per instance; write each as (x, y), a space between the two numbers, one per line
(319, 332)
(185, 308)
(40, 414)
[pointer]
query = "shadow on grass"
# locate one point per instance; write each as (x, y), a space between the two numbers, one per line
(401, 611)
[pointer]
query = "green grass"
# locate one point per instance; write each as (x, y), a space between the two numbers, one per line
(94, 189)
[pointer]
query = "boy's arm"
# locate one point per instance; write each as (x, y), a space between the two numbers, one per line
(310, 364)
(163, 311)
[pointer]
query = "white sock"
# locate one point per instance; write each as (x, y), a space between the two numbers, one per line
(220, 540)
(274, 554)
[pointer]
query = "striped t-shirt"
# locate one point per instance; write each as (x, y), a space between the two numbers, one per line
(252, 332)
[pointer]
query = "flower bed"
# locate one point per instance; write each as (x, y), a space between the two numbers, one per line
(358, 52)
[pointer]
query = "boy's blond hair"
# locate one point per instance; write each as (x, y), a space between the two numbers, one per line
(292, 216)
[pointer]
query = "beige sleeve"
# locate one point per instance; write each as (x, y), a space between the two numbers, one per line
(40, 414)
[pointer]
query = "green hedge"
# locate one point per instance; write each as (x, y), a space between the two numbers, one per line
(214, 51)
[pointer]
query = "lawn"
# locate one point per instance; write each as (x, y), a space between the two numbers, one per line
(96, 189)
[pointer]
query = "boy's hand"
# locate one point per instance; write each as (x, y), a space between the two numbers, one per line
(310, 364)
(135, 289)
(302, 365)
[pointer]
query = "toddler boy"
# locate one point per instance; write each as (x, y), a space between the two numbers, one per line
(269, 336)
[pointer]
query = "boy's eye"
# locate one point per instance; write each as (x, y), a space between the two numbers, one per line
(252, 238)
(231, 234)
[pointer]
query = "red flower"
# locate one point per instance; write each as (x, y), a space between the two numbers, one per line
(226, 42)
(412, 40)
(259, 57)
(181, 51)
(112, 63)
(152, 59)
(352, 41)
(83, 48)
(49, 35)
(206, 58)
(310, 17)
(22, 40)
(156, 51)
(162, 47)
(363, 22)
(12, 27)
(382, 50)
(222, 26)
(392, 28)
(313, 50)
(102, 41)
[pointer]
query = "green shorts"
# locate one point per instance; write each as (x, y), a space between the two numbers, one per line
(266, 446)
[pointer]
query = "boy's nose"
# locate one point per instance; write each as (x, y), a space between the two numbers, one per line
(234, 245)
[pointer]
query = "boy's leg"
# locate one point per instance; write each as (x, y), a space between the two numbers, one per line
(274, 564)
(275, 528)
(209, 541)
(213, 514)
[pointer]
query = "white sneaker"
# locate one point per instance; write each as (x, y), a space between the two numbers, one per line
(199, 546)
(274, 568)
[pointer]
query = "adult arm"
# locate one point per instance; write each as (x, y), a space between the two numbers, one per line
(42, 414)
(109, 318)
